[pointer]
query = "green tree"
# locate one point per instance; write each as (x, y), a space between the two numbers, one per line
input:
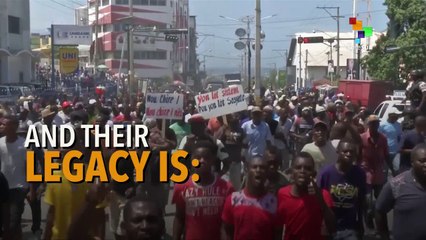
(406, 28)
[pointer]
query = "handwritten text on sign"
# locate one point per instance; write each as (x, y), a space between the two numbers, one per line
(221, 102)
(164, 106)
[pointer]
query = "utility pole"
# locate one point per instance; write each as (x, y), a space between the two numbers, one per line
(359, 64)
(245, 66)
(306, 68)
(257, 48)
(337, 18)
(95, 52)
(298, 84)
(249, 54)
(354, 2)
(132, 86)
(338, 41)
(204, 64)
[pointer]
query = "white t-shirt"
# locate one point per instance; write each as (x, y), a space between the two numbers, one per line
(13, 159)
(323, 156)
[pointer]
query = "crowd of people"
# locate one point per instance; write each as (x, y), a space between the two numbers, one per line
(293, 167)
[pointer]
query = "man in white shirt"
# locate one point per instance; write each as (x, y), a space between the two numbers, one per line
(13, 155)
(321, 149)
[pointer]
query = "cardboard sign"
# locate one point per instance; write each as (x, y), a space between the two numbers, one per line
(221, 102)
(164, 106)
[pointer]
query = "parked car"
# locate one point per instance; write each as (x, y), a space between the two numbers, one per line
(383, 109)
(9, 93)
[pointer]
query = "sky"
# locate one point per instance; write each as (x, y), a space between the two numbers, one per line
(216, 35)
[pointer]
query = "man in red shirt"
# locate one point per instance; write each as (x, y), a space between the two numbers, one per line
(251, 212)
(199, 204)
(375, 156)
(302, 207)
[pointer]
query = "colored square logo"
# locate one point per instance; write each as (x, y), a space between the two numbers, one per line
(357, 41)
(361, 34)
(352, 20)
(368, 31)
(357, 26)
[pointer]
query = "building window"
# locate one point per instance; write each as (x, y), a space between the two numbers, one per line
(105, 2)
(148, 55)
(141, 2)
(14, 25)
(122, 2)
(21, 77)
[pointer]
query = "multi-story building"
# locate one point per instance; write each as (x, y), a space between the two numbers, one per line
(192, 57)
(154, 58)
(81, 17)
(15, 41)
(317, 59)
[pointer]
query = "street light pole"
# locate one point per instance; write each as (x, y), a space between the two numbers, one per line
(337, 18)
(257, 48)
(132, 87)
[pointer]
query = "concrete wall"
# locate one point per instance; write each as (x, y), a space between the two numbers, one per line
(11, 64)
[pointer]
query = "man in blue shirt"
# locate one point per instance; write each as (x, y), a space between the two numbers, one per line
(392, 131)
(258, 134)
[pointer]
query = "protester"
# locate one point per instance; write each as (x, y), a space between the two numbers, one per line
(375, 156)
(411, 139)
(406, 196)
(282, 137)
(257, 135)
(4, 208)
(13, 166)
(142, 218)
(251, 212)
(321, 149)
(276, 179)
(199, 203)
(302, 206)
(347, 185)
(392, 130)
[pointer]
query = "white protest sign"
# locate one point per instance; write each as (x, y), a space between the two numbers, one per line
(164, 106)
(221, 102)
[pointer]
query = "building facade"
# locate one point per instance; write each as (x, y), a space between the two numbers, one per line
(81, 17)
(15, 41)
(154, 58)
(316, 59)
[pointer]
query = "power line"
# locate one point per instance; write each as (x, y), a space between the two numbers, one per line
(78, 3)
(50, 6)
(287, 20)
(61, 4)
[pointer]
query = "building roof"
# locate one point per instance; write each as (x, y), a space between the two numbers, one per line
(318, 53)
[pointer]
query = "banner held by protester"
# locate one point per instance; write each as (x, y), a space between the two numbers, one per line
(221, 102)
(164, 106)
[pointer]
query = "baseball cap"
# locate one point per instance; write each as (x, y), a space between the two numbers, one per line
(320, 109)
(66, 104)
(294, 98)
(92, 101)
(196, 118)
(306, 109)
(338, 102)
